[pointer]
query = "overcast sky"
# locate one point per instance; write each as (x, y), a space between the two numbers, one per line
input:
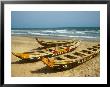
(51, 19)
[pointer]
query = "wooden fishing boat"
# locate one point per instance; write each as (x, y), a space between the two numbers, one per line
(73, 59)
(65, 48)
(32, 55)
(48, 52)
(53, 43)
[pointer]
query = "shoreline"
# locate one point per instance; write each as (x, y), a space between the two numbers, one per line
(58, 37)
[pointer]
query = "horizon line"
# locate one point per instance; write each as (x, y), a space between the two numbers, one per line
(49, 27)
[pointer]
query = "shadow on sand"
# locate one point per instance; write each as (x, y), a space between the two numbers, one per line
(52, 70)
(25, 61)
(46, 70)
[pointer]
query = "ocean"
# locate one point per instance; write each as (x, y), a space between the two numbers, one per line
(65, 32)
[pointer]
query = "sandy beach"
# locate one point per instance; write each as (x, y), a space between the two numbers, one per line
(37, 68)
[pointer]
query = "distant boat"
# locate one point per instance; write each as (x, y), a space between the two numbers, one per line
(53, 44)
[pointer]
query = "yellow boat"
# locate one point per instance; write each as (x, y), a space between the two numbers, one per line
(53, 44)
(48, 52)
(73, 59)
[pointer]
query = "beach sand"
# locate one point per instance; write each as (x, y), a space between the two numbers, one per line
(37, 68)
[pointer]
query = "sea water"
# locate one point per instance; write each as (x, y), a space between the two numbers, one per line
(70, 32)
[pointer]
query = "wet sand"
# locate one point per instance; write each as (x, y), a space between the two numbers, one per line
(37, 68)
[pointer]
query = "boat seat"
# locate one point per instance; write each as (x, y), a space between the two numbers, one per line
(86, 51)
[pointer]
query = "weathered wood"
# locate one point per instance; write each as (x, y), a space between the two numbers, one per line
(78, 58)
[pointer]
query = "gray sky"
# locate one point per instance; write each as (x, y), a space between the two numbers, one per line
(51, 19)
